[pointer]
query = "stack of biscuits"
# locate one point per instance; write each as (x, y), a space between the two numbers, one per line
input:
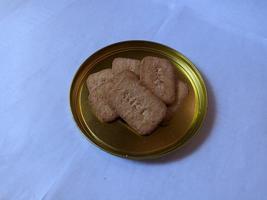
(143, 93)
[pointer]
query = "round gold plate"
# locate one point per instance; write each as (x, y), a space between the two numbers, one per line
(116, 137)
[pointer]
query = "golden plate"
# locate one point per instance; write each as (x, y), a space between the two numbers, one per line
(117, 138)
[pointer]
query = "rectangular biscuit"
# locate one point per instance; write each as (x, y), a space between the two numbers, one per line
(121, 64)
(157, 74)
(96, 79)
(182, 91)
(136, 104)
(98, 101)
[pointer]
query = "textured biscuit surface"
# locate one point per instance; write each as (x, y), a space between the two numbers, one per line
(121, 64)
(157, 74)
(97, 98)
(136, 104)
(96, 79)
(181, 92)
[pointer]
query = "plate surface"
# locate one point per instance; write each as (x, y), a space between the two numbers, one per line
(116, 137)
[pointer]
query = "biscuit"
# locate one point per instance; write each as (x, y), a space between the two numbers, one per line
(135, 104)
(121, 64)
(96, 79)
(181, 92)
(157, 74)
(100, 107)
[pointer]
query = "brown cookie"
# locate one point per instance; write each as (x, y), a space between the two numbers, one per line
(121, 64)
(136, 104)
(97, 99)
(181, 92)
(157, 74)
(96, 79)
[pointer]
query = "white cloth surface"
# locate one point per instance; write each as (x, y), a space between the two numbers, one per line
(44, 156)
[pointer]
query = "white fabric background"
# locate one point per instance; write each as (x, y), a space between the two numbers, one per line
(44, 156)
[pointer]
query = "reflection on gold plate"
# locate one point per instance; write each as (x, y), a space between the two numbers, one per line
(116, 137)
